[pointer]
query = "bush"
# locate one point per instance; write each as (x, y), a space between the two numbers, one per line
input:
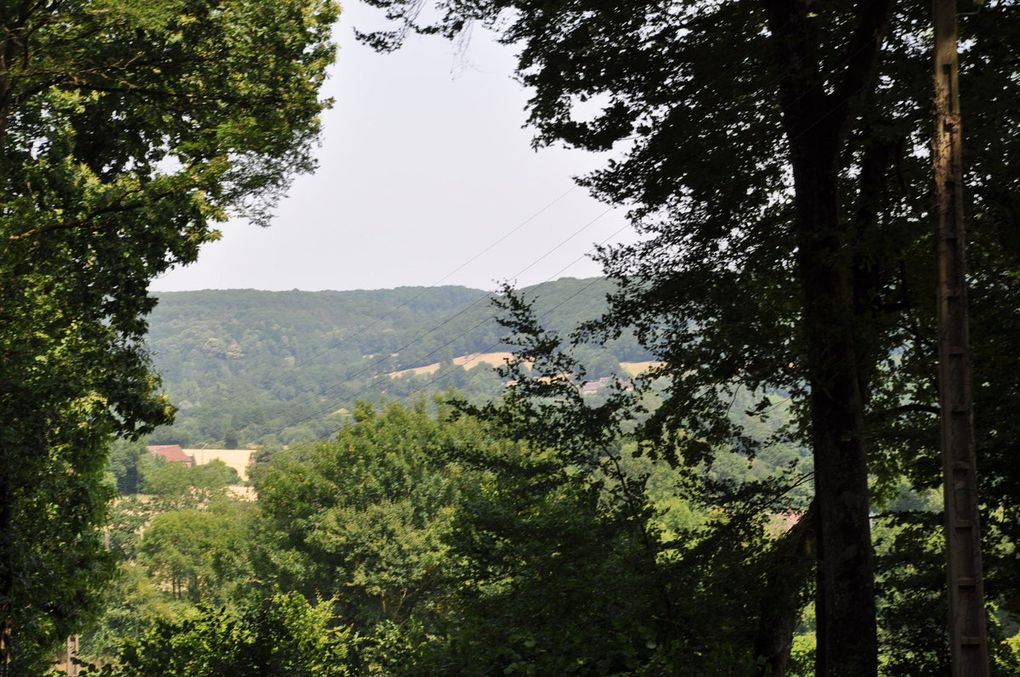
(281, 635)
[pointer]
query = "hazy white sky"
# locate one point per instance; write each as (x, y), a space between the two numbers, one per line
(423, 165)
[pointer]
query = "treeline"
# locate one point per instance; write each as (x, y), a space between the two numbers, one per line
(539, 533)
(252, 367)
(775, 157)
(421, 543)
(484, 541)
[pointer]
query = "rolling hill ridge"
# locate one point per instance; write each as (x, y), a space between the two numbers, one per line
(247, 367)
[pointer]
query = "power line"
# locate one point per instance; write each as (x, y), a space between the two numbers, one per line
(447, 320)
(494, 345)
(417, 338)
(371, 367)
(421, 292)
(485, 320)
(514, 230)
(502, 239)
(491, 246)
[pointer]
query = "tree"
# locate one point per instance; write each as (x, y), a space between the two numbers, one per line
(774, 153)
(127, 130)
(281, 635)
(177, 485)
(200, 554)
(182, 545)
(453, 550)
(125, 459)
(572, 549)
(362, 518)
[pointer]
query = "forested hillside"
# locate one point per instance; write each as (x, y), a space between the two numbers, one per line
(246, 366)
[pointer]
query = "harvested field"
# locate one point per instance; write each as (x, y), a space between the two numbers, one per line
(465, 361)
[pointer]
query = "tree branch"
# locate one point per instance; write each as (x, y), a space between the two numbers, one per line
(863, 52)
(912, 408)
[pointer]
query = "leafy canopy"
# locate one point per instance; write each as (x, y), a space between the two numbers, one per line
(127, 130)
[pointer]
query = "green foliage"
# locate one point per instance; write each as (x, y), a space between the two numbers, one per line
(913, 607)
(125, 459)
(180, 484)
(199, 555)
(551, 583)
(127, 130)
(546, 533)
(184, 545)
(133, 602)
(128, 515)
(363, 518)
(455, 551)
(282, 635)
(453, 545)
(56, 548)
(1008, 656)
(802, 655)
(775, 156)
(167, 487)
(699, 539)
(590, 561)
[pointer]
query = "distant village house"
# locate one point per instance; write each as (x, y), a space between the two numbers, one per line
(170, 452)
(238, 459)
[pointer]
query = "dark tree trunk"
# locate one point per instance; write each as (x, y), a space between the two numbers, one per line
(816, 107)
(846, 619)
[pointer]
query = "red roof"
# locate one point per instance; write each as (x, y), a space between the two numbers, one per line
(171, 452)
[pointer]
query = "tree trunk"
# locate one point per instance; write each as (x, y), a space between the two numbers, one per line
(816, 107)
(847, 635)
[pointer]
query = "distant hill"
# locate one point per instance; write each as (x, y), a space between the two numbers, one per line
(246, 366)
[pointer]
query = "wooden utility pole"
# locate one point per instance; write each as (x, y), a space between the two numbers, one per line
(968, 637)
(72, 656)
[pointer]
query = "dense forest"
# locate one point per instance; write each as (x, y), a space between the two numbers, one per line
(415, 542)
(249, 367)
(417, 539)
(812, 471)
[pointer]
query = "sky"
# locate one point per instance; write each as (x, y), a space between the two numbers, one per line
(426, 176)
